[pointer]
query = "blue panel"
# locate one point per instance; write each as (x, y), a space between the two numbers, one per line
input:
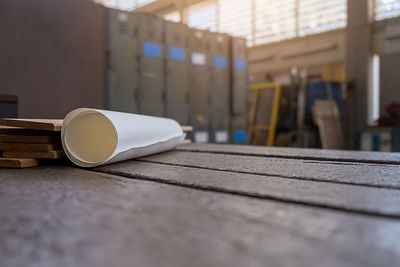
(319, 90)
(239, 136)
(376, 142)
(240, 64)
(395, 140)
(220, 62)
(151, 50)
(177, 53)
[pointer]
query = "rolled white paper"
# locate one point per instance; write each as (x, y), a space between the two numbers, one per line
(93, 137)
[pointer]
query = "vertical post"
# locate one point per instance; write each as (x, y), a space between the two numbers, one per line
(183, 12)
(217, 15)
(275, 114)
(253, 22)
(253, 115)
(297, 18)
(359, 56)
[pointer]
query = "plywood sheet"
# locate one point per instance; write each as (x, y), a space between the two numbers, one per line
(35, 124)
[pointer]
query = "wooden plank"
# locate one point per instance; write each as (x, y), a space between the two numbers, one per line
(35, 124)
(186, 142)
(29, 139)
(187, 128)
(18, 163)
(327, 117)
(5, 130)
(29, 147)
(370, 200)
(379, 175)
(69, 216)
(55, 154)
(297, 153)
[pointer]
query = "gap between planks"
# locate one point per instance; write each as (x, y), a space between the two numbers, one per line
(221, 190)
(272, 175)
(249, 151)
(377, 175)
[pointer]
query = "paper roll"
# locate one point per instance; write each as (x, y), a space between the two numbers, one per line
(93, 137)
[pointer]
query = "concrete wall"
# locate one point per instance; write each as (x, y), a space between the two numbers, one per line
(359, 58)
(52, 55)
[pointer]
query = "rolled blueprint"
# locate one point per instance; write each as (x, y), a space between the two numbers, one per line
(93, 137)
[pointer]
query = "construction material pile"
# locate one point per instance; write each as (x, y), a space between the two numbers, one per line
(27, 143)
(88, 137)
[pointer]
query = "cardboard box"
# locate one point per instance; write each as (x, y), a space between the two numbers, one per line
(334, 73)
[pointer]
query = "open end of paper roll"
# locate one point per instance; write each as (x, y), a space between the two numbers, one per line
(91, 138)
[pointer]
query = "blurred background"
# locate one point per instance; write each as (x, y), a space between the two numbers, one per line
(296, 73)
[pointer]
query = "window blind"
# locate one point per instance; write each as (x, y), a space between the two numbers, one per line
(274, 20)
(321, 15)
(385, 9)
(235, 17)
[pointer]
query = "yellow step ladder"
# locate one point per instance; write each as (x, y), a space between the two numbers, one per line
(271, 128)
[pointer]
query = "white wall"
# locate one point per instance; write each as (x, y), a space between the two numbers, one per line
(311, 52)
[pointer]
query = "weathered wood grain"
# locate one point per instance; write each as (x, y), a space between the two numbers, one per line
(29, 147)
(378, 201)
(35, 124)
(379, 175)
(6, 130)
(54, 154)
(297, 153)
(29, 139)
(18, 163)
(72, 217)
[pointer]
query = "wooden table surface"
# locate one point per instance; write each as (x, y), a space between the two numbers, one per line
(206, 205)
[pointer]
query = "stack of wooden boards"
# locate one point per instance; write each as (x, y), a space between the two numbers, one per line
(27, 142)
